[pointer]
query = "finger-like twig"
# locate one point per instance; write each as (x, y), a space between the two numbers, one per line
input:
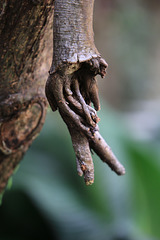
(93, 93)
(67, 86)
(103, 150)
(77, 108)
(56, 86)
(82, 101)
(83, 155)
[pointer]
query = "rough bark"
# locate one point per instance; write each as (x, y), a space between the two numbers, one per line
(22, 99)
(72, 87)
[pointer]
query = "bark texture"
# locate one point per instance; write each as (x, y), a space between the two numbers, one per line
(22, 100)
(72, 87)
(71, 20)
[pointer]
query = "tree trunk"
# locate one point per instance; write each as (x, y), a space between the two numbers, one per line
(23, 26)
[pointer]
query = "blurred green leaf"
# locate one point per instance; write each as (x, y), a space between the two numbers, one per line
(114, 208)
(146, 194)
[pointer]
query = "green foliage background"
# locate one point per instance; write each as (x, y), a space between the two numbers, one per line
(48, 200)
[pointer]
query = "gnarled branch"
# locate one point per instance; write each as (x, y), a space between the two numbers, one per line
(72, 87)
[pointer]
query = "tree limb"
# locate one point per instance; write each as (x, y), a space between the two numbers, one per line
(72, 87)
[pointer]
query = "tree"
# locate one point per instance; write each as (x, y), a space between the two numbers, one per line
(70, 88)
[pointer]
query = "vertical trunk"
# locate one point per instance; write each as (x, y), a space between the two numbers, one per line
(22, 100)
